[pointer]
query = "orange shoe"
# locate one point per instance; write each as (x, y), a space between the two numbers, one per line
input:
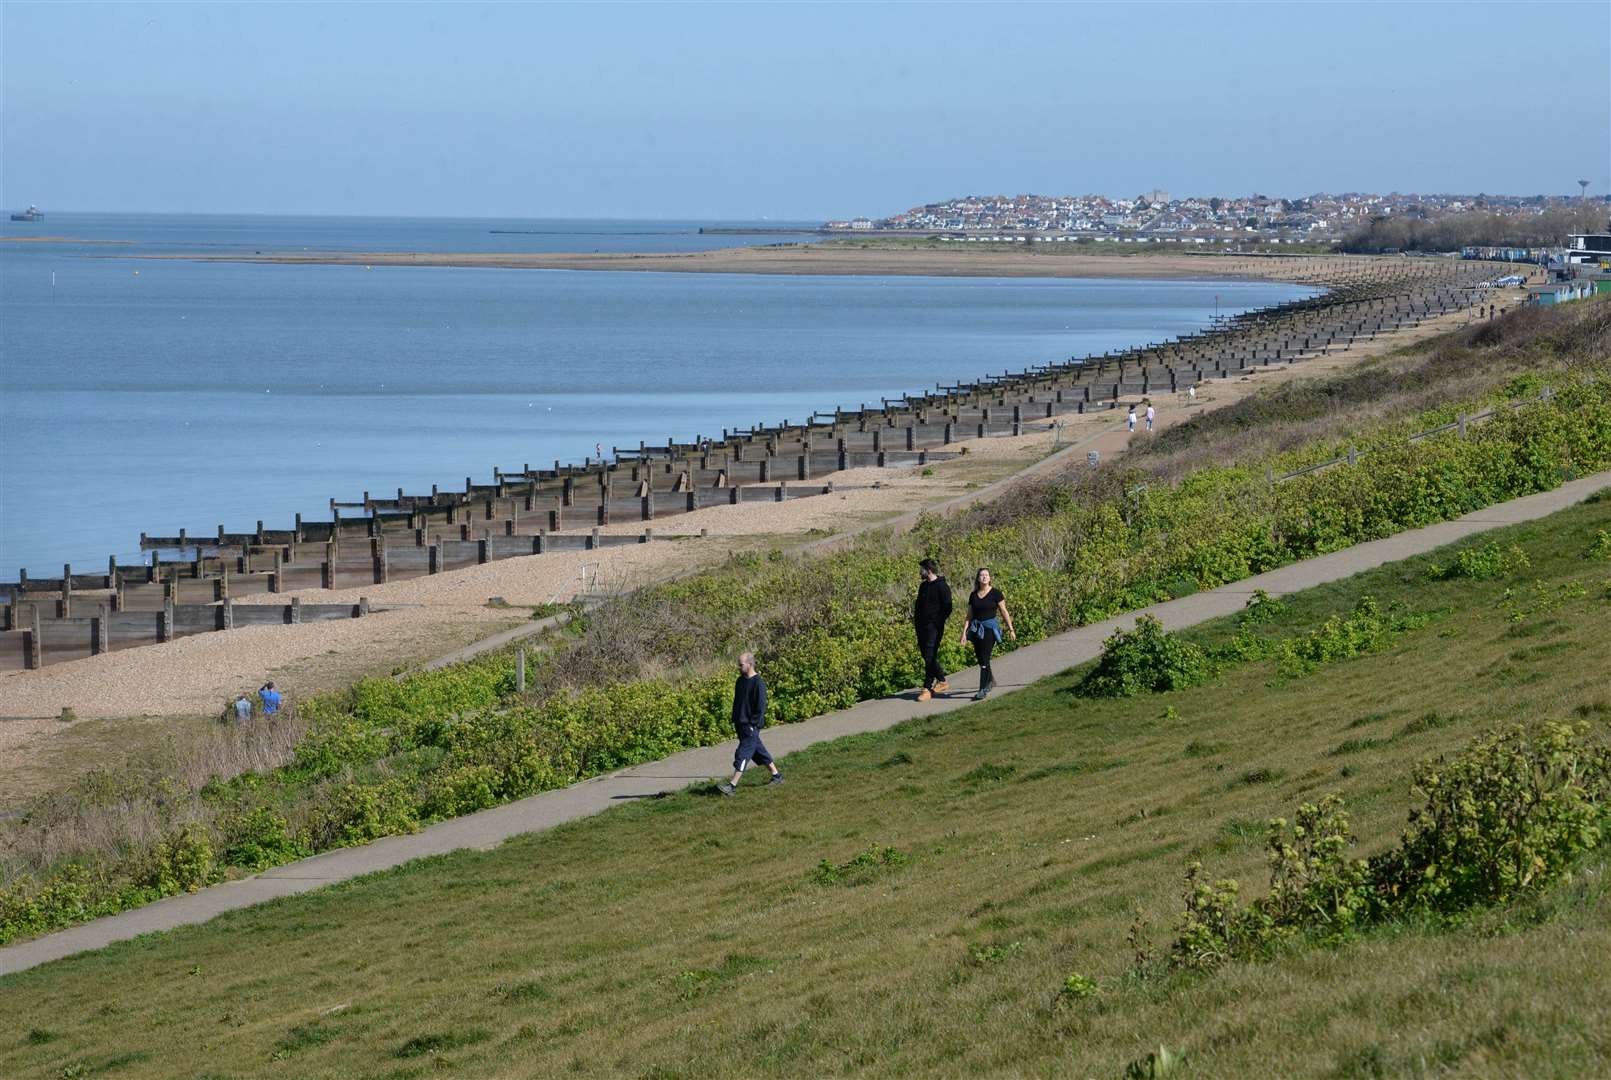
(941, 687)
(924, 695)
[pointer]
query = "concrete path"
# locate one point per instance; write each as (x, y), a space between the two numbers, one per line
(1013, 670)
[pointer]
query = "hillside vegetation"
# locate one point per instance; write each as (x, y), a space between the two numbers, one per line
(1003, 890)
(647, 674)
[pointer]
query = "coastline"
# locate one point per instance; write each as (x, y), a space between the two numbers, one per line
(814, 259)
(430, 615)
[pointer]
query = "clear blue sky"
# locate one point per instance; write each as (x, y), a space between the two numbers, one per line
(803, 111)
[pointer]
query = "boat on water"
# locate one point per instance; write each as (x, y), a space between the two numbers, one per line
(33, 213)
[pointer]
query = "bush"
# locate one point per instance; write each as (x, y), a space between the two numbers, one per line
(1508, 816)
(260, 839)
(1366, 630)
(1482, 563)
(1146, 660)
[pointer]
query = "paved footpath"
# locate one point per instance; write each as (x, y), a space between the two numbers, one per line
(1016, 669)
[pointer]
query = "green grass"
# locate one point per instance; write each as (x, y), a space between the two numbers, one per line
(693, 936)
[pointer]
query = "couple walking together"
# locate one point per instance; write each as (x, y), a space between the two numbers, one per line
(987, 610)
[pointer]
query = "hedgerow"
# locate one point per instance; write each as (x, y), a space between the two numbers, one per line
(392, 756)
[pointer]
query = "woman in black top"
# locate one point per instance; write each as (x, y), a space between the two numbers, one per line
(987, 609)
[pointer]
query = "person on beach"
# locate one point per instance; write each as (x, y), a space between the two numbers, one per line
(243, 708)
(1151, 413)
(749, 717)
(1130, 420)
(929, 614)
(271, 699)
(987, 609)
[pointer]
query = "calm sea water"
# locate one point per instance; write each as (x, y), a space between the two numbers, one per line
(139, 395)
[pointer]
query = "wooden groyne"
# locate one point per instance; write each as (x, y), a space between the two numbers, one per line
(533, 511)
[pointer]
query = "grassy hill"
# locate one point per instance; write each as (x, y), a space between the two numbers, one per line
(914, 901)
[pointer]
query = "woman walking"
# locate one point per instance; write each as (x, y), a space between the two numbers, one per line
(987, 609)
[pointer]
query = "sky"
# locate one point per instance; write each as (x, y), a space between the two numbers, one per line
(804, 112)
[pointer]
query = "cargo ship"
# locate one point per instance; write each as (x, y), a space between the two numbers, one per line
(33, 213)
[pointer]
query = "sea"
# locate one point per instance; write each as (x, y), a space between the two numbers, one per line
(142, 395)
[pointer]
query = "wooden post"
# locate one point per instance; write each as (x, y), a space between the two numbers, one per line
(648, 506)
(378, 550)
(766, 470)
(296, 610)
(732, 495)
(327, 569)
(567, 491)
(1460, 421)
(693, 500)
(537, 543)
(520, 671)
(165, 622)
(221, 590)
(481, 550)
(67, 590)
(433, 559)
(227, 613)
(98, 633)
(604, 513)
(33, 646)
(363, 607)
(553, 520)
(593, 539)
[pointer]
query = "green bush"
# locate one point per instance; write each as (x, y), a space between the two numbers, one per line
(1146, 660)
(1366, 630)
(1483, 563)
(1508, 816)
(261, 838)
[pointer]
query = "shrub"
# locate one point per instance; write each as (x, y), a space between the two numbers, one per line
(1367, 629)
(1483, 563)
(260, 839)
(181, 862)
(1508, 816)
(1145, 660)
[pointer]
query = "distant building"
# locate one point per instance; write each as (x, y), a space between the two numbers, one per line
(1588, 248)
(861, 223)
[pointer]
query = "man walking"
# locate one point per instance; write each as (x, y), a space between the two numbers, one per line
(1151, 415)
(929, 613)
(749, 717)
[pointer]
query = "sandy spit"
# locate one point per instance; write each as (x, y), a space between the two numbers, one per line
(818, 259)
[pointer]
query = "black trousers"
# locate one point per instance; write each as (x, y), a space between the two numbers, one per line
(928, 643)
(983, 646)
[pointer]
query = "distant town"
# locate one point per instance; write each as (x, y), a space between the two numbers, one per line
(1156, 216)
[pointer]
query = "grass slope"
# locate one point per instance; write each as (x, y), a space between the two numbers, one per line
(692, 934)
